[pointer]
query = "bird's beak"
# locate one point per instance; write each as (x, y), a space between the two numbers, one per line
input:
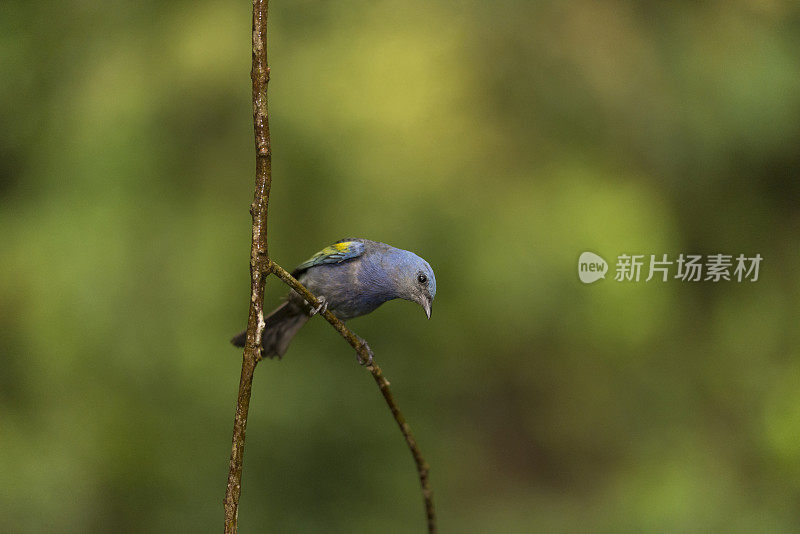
(426, 305)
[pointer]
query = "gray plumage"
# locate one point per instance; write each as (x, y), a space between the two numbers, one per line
(353, 276)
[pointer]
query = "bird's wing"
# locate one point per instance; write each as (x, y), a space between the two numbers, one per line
(336, 253)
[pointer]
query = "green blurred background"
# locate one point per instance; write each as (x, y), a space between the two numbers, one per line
(499, 140)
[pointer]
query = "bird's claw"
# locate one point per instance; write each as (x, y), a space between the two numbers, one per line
(370, 354)
(322, 308)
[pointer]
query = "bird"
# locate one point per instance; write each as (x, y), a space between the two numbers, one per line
(351, 278)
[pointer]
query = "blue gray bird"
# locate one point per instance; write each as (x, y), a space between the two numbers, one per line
(352, 277)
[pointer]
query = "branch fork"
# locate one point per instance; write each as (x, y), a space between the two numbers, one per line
(260, 268)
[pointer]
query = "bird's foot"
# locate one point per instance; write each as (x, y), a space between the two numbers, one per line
(370, 354)
(322, 308)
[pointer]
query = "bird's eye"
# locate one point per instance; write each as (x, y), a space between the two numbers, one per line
(422, 278)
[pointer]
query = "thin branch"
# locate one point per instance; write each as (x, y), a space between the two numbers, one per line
(260, 267)
(259, 262)
(365, 355)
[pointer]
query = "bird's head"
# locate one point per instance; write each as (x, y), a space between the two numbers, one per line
(415, 281)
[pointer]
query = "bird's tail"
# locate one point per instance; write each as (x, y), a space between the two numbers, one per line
(281, 326)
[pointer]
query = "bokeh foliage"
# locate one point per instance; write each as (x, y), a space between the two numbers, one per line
(498, 140)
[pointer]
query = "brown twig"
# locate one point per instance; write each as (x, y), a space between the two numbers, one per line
(365, 355)
(260, 265)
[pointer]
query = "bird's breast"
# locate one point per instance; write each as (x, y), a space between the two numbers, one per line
(351, 288)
